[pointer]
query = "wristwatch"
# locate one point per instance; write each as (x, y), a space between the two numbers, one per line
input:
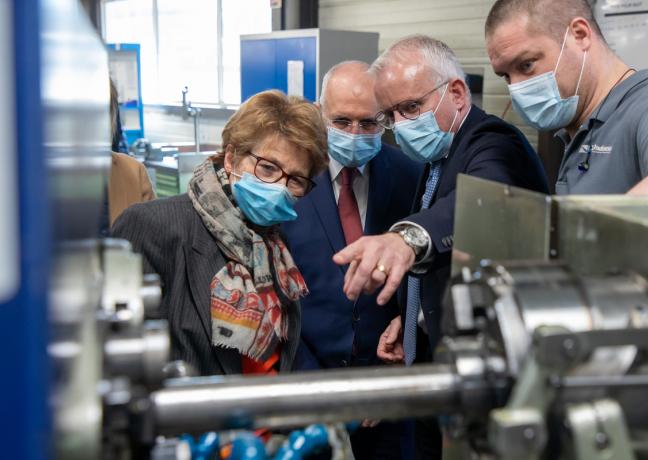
(415, 238)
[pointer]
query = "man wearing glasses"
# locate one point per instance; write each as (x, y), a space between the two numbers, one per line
(424, 97)
(367, 188)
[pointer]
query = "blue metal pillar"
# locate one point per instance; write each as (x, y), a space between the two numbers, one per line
(24, 378)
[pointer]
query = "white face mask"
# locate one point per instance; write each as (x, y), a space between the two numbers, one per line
(538, 101)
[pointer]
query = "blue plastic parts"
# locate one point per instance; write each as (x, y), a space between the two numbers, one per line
(247, 446)
(206, 448)
(299, 445)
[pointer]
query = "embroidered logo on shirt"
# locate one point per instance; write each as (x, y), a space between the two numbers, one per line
(600, 149)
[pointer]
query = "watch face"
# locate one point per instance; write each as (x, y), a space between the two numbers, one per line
(414, 237)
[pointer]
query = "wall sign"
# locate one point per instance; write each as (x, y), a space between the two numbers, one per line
(624, 24)
(295, 74)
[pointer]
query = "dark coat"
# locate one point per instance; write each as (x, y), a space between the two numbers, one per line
(175, 243)
(487, 147)
(332, 325)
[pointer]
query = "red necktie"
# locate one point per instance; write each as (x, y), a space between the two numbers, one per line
(348, 207)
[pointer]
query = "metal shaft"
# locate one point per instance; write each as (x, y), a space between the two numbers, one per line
(213, 403)
(196, 115)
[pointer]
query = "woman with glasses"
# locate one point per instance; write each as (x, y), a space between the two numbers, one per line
(230, 286)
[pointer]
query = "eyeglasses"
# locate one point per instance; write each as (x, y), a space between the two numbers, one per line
(410, 109)
(367, 126)
(270, 172)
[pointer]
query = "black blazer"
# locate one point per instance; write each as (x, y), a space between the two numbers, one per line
(487, 147)
(175, 243)
(332, 325)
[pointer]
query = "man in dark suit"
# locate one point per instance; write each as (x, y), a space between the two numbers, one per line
(424, 97)
(367, 188)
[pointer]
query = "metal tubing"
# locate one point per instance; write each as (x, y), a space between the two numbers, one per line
(213, 403)
(602, 382)
(141, 355)
(196, 131)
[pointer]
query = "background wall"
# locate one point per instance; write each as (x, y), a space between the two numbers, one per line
(459, 23)
(165, 124)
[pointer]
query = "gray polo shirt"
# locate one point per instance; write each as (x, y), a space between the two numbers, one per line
(617, 133)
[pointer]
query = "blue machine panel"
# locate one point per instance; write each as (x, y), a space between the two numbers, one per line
(25, 420)
(264, 64)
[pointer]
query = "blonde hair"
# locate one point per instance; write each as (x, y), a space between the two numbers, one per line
(272, 113)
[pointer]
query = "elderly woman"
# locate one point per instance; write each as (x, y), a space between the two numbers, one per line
(230, 286)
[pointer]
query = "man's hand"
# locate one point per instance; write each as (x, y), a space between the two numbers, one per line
(369, 423)
(390, 345)
(374, 261)
(640, 189)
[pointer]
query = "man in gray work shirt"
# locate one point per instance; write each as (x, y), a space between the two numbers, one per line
(609, 153)
(562, 74)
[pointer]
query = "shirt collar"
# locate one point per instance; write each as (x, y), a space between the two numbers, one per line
(335, 168)
(609, 104)
(457, 132)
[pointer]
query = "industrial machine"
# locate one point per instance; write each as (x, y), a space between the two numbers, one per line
(545, 332)
(541, 357)
(536, 362)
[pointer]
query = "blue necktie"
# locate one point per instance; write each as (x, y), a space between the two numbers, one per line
(414, 284)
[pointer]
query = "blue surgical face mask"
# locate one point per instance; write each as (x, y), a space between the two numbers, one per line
(353, 150)
(421, 139)
(538, 101)
(262, 203)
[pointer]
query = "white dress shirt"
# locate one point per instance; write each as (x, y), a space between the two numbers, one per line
(360, 186)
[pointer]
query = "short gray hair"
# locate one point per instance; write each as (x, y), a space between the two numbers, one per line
(438, 56)
(336, 68)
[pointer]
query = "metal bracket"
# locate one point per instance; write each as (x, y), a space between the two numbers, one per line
(599, 431)
(558, 348)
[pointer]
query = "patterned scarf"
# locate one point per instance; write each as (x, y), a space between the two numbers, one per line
(246, 309)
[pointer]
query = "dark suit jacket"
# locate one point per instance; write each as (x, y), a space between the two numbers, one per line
(486, 147)
(171, 236)
(331, 324)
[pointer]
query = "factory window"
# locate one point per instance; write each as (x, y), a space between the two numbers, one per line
(132, 22)
(181, 45)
